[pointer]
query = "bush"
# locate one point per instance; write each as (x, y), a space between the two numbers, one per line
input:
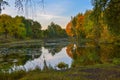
(116, 60)
(62, 65)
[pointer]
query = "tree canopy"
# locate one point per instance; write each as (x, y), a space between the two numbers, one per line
(111, 13)
(17, 27)
(21, 28)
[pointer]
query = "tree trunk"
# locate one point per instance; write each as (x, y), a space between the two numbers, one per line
(5, 32)
(0, 8)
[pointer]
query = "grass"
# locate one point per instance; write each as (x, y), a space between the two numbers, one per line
(14, 43)
(21, 43)
(96, 72)
(53, 75)
(12, 76)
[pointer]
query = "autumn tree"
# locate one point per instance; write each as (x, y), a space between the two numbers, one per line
(111, 13)
(89, 25)
(69, 29)
(80, 30)
(96, 17)
(18, 28)
(5, 24)
(75, 28)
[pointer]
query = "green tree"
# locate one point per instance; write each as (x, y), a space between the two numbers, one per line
(111, 13)
(28, 24)
(88, 24)
(96, 17)
(18, 28)
(36, 29)
(45, 33)
(5, 25)
(33, 28)
(55, 30)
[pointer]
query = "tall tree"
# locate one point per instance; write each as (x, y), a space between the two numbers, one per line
(75, 28)
(28, 26)
(112, 15)
(96, 14)
(111, 12)
(80, 30)
(69, 30)
(5, 24)
(54, 30)
(36, 29)
(18, 28)
(88, 24)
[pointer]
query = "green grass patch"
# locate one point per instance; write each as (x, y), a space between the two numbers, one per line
(101, 72)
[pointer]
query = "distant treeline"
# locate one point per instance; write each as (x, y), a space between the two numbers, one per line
(21, 28)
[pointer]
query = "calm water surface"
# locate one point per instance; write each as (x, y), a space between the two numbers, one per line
(51, 60)
(28, 58)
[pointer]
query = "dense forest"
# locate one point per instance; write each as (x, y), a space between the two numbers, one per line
(101, 24)
(21, 28)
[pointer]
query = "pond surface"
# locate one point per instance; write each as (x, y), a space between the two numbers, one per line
(37, 56)
(31, 57)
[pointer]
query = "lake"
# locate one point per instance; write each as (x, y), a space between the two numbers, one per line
(36, 56)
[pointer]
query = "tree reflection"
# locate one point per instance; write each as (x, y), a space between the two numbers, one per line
(92, 55)
(109, 52)
(19, 56)
(54, 49)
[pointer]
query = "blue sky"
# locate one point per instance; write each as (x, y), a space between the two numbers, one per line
(58, 11)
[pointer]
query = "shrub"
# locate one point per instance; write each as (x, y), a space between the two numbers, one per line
(116, 60)
(62, 65)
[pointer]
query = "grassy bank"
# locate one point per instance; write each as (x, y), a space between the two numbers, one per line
(97, 72)
(33, 42)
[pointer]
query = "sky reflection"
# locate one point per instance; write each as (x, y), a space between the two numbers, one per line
(48, 57)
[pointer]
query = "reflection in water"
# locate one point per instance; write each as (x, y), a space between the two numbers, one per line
(28, 58)
(82, 55)
(93, 55)
(49, 58)
(17, 56)
(54, 49)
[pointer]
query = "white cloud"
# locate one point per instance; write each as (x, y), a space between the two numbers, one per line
(45, 20)
(48, 17)
(53, 13)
